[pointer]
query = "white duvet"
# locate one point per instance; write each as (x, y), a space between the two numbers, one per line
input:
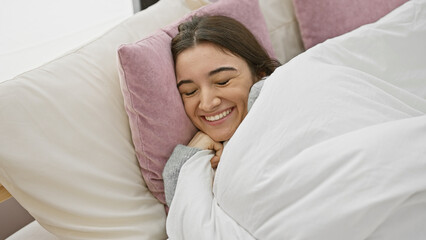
(333, 148)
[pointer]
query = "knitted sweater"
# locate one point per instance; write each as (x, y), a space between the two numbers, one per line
(182, 153)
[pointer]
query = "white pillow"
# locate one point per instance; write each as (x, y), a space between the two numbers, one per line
(66, 152)
(283, 28)
(195, 4)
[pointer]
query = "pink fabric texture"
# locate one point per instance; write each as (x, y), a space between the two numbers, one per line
(324, 19)
(157, 118)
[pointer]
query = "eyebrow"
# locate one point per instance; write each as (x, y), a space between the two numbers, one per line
(211, 73)
(221, 69)
(183, 82)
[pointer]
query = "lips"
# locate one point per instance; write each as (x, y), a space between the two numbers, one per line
(218, 116)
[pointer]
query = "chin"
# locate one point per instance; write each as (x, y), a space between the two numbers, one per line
(222, 137)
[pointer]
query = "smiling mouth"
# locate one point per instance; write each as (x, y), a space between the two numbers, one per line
(218, 116)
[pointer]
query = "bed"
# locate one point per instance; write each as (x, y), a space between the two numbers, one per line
(334, 147)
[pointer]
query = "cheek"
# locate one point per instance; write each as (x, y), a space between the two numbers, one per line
(190, 108)
(241, 97)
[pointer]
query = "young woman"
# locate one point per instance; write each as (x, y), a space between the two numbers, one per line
(217, 62)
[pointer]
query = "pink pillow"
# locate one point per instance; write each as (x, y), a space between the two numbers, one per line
(158, 121)
(324, 19)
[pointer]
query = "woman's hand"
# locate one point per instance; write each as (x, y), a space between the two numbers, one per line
(203, 141)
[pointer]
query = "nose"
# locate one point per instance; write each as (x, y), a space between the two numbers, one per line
(209, 100)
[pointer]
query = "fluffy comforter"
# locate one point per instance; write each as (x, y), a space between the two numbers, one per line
(333, 148)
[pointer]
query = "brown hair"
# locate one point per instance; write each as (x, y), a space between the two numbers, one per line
(229, 34)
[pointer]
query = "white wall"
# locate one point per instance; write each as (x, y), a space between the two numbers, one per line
(33, 32)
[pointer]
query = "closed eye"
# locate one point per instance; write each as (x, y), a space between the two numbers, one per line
(190, 93)
(223, 82)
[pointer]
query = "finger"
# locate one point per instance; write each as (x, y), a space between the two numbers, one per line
(218, 148)
(214, 161)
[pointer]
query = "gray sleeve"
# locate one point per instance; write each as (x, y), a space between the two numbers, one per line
(254, 93)
(171, 171)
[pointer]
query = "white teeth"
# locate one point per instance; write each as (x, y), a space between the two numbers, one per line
(218, 116)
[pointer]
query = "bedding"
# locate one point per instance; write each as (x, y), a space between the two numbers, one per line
(66, 153)
(148, 81)
(333, 148)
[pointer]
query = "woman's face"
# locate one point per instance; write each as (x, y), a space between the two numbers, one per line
(214, 86)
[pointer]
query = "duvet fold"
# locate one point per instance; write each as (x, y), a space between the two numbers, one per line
(333, 148)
